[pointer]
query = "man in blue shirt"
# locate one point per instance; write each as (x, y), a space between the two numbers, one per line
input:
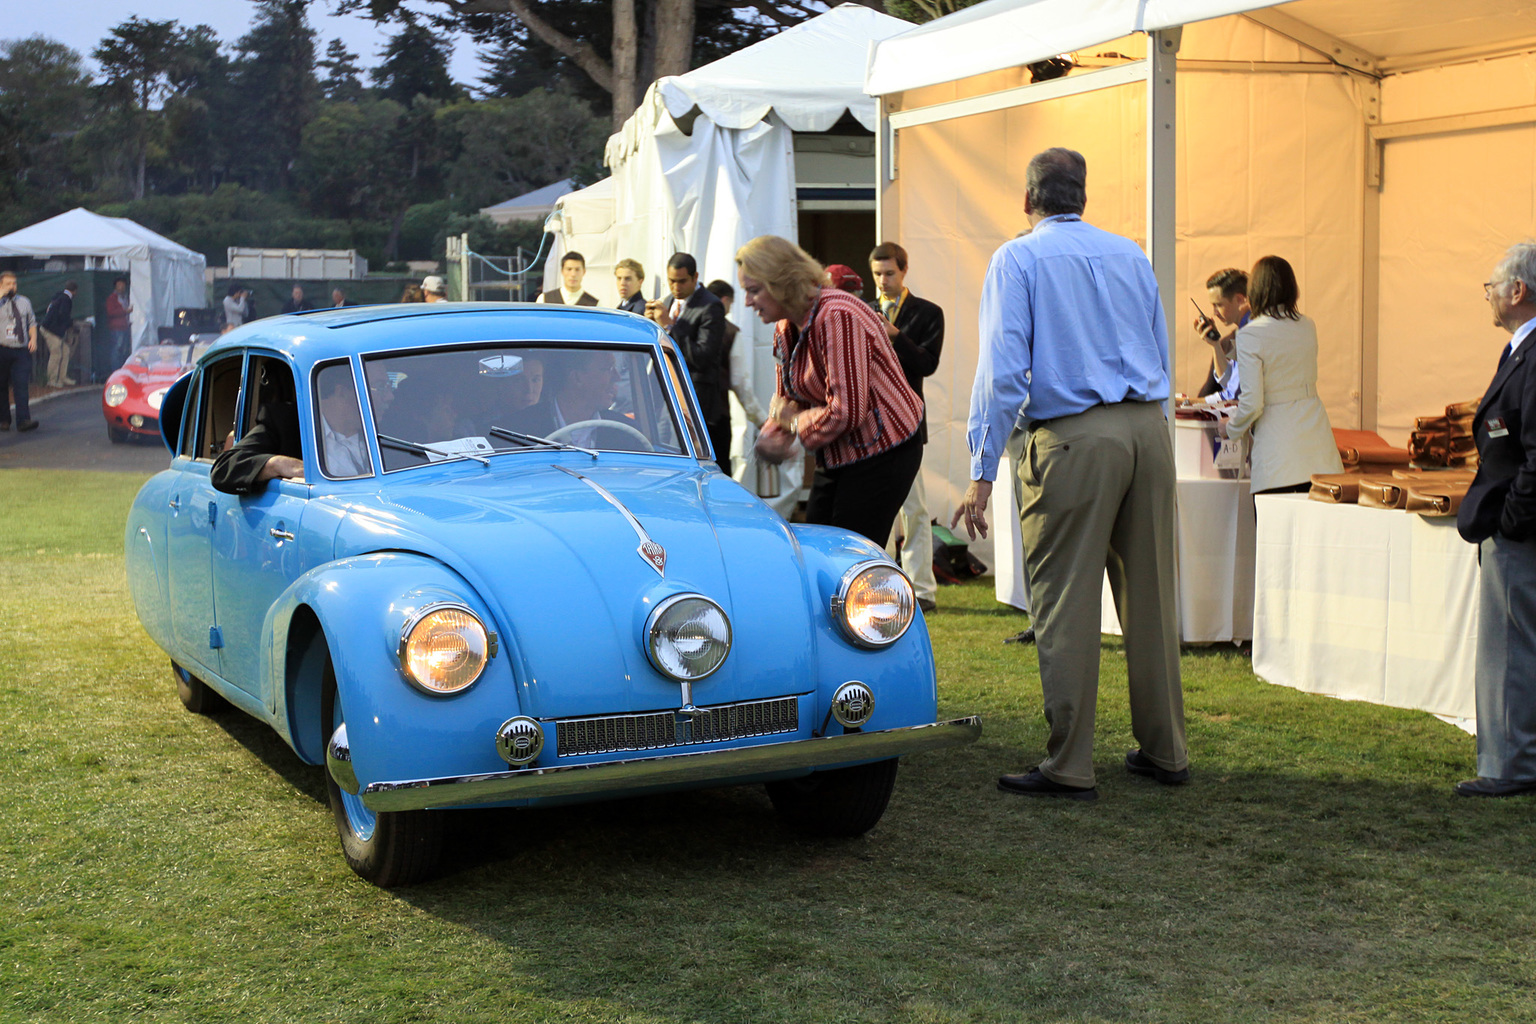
(1072, 331)
(1228, 292)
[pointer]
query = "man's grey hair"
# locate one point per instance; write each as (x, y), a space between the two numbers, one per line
(1519, 264)
(1057, 182)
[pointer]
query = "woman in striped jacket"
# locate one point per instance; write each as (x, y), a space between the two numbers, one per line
(840, 390)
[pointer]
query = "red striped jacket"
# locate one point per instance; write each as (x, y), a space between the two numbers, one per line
(845, 368)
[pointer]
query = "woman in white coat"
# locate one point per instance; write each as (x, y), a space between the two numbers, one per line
(1278, 406)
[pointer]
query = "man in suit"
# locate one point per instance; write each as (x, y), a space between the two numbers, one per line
(579, 386)
(629, 278)
(18, 343)
(1499, 516)
(573, 270)
(270, 450)
(916, 329)
(295, 303)
(695, 319)
(1228, 292)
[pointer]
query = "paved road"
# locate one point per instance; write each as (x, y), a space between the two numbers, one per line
(73, 435)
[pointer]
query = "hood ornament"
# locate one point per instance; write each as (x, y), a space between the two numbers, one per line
(653, 553)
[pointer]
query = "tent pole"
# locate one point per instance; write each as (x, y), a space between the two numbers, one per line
(1162, 52)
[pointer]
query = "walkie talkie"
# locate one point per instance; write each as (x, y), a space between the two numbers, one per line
(1210, 333)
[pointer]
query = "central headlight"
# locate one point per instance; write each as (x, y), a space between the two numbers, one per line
(116, 395)
(874, 604)
(687, 637)
(445, 648)
(155, 398)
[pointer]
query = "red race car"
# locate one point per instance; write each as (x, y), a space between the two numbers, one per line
(131, 399)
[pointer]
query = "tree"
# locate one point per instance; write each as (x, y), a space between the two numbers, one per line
(920, 11)
(415, 64)
(274, 76)
(500, 148)
(44, 98)
(145, 64)
(343, 79)
(619, 45)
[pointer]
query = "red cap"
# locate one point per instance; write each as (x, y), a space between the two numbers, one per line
(844, 277)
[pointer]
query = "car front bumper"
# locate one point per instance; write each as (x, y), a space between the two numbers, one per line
(615, 778)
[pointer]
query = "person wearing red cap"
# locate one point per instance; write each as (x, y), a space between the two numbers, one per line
(844, 277)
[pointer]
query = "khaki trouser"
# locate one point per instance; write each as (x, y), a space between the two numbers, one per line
(1097, 493)
(59, 352)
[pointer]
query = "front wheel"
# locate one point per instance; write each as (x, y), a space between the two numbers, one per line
(841, 802)
(196, 696)
(387, 848)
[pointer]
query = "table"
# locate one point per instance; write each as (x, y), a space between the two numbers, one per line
(1216, 549)
(1365, 604)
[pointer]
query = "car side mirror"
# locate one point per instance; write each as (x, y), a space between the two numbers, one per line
(171, 408)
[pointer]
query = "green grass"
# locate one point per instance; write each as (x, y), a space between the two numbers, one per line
(158, 866)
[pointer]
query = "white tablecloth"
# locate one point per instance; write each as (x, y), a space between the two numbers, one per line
(1215, 558)
(1365, 604)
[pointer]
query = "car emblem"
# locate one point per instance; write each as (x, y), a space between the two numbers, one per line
(654, 554)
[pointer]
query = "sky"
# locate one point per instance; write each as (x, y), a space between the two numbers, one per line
(81, 24)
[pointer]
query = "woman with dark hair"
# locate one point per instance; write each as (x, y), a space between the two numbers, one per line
(840, 391)
(237, 307)
(1278, 406)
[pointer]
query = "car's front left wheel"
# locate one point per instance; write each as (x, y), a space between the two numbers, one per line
(386, 847)
(196, 696)
(840, 802)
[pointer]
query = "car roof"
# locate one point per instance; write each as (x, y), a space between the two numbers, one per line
(314, 336)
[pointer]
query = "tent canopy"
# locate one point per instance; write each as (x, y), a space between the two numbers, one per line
(164, 274)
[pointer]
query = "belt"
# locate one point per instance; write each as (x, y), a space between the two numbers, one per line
(1294, 394)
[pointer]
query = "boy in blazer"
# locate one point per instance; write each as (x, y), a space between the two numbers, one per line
(1499, 515)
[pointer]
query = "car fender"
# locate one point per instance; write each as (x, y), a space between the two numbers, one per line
(144, 559)
(359, 606)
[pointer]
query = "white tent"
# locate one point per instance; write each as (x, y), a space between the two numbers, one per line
(162, 274)
(707, 161)
(1383, 148)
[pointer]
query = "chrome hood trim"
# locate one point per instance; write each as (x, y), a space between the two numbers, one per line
(703, 768)
(654, 554)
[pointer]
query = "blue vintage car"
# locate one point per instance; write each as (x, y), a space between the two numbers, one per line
(511, 575)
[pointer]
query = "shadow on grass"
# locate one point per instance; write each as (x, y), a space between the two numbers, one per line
(268, 748)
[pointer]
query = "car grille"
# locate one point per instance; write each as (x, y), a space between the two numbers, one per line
(654, 730)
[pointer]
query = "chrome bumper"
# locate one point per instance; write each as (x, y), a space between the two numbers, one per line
(619, 777)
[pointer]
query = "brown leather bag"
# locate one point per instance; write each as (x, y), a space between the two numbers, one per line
(1335, 488)
(1441, 423)
(1458, 410)
(1437, 498)
(1367, 446)
(1383, 492)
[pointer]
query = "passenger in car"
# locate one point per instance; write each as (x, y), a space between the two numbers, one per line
(270, 450)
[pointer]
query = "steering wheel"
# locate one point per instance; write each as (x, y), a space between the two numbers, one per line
(564, 433)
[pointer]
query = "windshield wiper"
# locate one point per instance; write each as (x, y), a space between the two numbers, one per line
(422, 449)
(535, 440)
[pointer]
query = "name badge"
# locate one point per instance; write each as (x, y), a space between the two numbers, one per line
(1496, 427)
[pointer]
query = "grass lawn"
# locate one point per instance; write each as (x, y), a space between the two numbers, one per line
(159, 866)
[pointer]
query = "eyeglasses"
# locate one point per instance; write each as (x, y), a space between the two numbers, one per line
(1489, 286)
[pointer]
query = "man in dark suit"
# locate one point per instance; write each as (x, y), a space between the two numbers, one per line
(629, 278)
(578, 386)
(271, 450)
(573, 270)
(1499, 515)
(916, 329)
(696, 321)
(295, 303)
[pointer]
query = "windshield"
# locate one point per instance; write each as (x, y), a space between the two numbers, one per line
(473, 402)
(162, 357)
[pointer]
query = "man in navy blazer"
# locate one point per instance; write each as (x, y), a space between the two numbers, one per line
(1499, 515)
(695, 319)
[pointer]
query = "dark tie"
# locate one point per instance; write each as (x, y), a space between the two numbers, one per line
(1504, 356)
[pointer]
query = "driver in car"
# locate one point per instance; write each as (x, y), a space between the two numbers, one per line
(578, 387)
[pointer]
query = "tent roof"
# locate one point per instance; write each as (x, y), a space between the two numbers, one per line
(1002, 34)
(83, 233)
(808, 75)
(537, 199)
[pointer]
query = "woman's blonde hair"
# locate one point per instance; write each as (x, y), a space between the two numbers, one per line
(788, 272)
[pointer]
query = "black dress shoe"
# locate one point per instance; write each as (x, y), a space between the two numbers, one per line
(22, 426)
(1138, 763)
(1495, 787)
(1033, 783)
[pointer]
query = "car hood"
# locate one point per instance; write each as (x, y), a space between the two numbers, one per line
(559, 563)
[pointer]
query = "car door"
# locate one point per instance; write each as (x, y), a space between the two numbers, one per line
(255, 551)
(193, 515)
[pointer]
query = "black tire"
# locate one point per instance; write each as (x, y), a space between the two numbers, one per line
(388, 848)
(196, 696)
(841, 802)
(117, 436)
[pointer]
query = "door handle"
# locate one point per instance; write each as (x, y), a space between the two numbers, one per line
(175, 503)
(280, 534)
(213, 513)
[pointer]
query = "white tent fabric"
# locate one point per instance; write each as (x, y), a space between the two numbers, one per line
(162, 274)
(1381, 148)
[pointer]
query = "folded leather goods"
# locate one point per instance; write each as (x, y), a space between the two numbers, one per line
(1432, 423)
(1456, 410)
(1435, 476)
(1462, 445)
(1335, 488)
(1358, 447)
(1461, 426)
(1383, 492)
(1435, 499)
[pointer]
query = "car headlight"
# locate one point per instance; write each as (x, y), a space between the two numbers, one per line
(444, 648)
(874, 604)
(116, 395)
(155, 398)
(688, 636)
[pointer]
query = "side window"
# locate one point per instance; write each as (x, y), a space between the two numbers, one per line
(269, 402)
(679, 379)
(339, 423)
(218, 398)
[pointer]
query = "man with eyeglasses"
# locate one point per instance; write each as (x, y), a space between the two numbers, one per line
(18, 340)
(1498, 514)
